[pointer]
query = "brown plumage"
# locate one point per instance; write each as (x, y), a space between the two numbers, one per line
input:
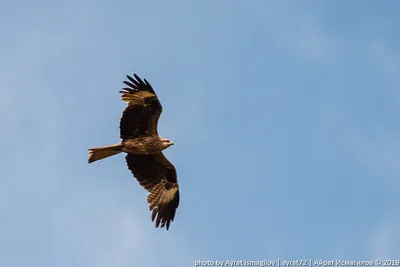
(143, 145)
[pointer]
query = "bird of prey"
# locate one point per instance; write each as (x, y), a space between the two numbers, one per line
(143, 145)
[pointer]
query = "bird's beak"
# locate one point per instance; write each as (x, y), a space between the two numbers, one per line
(172, 144)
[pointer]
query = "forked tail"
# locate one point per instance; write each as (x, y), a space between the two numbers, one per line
(104, 152)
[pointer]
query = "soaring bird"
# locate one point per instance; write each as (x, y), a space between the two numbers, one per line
(143, 145)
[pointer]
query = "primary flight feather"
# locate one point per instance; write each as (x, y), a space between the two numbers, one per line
(143, 145)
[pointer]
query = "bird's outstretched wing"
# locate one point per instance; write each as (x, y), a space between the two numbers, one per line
(158, 176)
(140, 118)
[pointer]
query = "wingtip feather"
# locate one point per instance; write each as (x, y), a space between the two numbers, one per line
(138, 78)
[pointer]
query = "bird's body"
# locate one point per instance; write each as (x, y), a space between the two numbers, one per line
(143, 145)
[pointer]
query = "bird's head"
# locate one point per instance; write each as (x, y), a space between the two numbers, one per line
(166, 143)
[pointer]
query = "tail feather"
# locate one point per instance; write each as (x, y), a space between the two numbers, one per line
(104, 152)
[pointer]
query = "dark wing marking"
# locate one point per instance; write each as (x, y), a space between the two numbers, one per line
(141, 116)
(134, 122)
(158, 176)
(156, 110)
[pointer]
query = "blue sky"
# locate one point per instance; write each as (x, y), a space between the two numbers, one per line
(284, 114)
